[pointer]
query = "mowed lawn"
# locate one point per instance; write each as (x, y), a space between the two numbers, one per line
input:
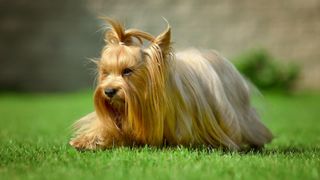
(35, 129)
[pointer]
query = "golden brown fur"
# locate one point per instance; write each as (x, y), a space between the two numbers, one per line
(191, 98)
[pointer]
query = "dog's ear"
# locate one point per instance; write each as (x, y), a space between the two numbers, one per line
(164, 41)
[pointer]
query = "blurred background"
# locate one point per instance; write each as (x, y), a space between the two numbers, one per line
(45, 45)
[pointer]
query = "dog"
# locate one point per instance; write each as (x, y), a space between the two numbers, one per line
(148, 95)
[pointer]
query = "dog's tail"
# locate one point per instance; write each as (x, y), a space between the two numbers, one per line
(254, 132)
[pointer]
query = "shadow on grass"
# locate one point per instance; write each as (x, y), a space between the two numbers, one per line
(291, 150)
(280, 150)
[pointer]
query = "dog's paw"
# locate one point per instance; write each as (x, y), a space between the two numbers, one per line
(86, 143)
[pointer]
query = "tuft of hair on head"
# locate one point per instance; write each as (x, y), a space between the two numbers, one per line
(118, 35)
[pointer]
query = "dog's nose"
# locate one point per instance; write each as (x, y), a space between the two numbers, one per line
(110, 92)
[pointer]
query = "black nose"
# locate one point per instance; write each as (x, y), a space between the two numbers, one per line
(110, 92)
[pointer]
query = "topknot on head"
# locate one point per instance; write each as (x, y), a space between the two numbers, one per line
(117, 35)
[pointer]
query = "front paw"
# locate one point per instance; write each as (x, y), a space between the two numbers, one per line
(86, 143)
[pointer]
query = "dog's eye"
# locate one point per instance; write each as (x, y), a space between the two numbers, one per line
(127, 72)
(104, 72)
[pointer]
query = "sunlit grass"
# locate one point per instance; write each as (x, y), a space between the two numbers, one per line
(35, 129)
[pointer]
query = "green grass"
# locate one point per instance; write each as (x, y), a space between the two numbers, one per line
(35, 129)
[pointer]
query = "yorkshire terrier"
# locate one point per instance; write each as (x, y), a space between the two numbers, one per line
(149, 95)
